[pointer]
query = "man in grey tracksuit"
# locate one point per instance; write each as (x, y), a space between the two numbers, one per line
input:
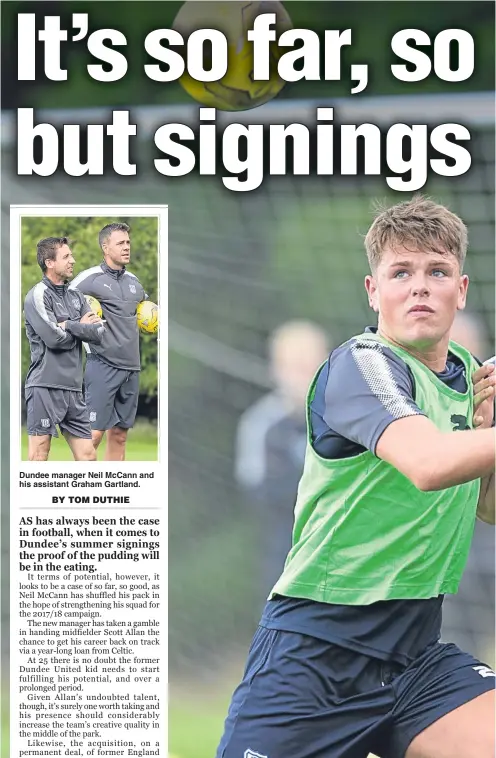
(57, 321)
(112, 368)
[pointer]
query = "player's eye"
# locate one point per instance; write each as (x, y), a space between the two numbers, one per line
(439, 273)
(400, 274)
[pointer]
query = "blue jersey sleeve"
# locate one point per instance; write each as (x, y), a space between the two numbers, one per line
(363, 388)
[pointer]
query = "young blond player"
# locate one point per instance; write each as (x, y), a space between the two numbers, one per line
(399, 463)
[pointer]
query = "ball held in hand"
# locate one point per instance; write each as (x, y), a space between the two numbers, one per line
(94, 305)
(147, 317)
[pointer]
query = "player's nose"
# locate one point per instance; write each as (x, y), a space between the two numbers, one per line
(420, 286)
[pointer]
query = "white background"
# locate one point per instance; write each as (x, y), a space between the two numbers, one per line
(149, 500)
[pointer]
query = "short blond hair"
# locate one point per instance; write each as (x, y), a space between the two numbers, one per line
(417, 224)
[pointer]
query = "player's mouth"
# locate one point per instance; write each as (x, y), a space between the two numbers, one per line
(421, 309)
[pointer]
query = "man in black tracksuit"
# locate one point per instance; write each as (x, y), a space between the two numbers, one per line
(57, 320)
(112, 368)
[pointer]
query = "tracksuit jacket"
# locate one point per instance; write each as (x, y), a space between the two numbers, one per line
(57, 353)
(119, 293)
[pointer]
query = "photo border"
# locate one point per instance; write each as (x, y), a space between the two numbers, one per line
(17, 212)
(159, 499)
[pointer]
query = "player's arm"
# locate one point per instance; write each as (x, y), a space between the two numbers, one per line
(87, 332)
(370, 399)
(89, 327)
(483, 381)
(141, 290)
(85, 307)
(435, 460)
(38, 312)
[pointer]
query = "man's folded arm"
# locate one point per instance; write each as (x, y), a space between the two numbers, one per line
(87, 332)
(40, 316)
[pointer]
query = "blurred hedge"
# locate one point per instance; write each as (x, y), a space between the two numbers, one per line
(83, 236)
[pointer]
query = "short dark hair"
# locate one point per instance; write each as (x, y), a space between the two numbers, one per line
(46, 250)
(107, 231)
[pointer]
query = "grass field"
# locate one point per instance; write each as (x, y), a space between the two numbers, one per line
(196, 723)
(4, 715)
(141, 445)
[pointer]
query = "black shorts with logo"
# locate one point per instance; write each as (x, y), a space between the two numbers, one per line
(48, 408)
(302, 697)
(111, 395)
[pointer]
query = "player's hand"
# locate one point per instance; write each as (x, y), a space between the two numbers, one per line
(484, 384)
(90, 318)
(62, 325)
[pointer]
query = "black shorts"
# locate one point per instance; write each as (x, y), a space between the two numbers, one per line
(304, 698)
(46, 408)
(111, 395)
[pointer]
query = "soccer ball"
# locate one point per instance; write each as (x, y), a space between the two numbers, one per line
(236, 91)
(147, 316)
(94, 305)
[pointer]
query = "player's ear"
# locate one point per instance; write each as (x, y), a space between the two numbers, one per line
(462, 292)
(371, 288)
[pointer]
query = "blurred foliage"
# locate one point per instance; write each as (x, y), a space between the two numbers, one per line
(196, 723)
(373, 23)
(338, 265)
(83, 237)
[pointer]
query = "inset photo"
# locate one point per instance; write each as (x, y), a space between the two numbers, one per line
(89, 358)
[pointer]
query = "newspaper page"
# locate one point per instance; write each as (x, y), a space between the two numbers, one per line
(87, 481)
(329, 171)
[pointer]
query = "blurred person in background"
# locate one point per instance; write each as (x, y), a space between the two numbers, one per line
(271, 441)
(469, 331)
(468, 615)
